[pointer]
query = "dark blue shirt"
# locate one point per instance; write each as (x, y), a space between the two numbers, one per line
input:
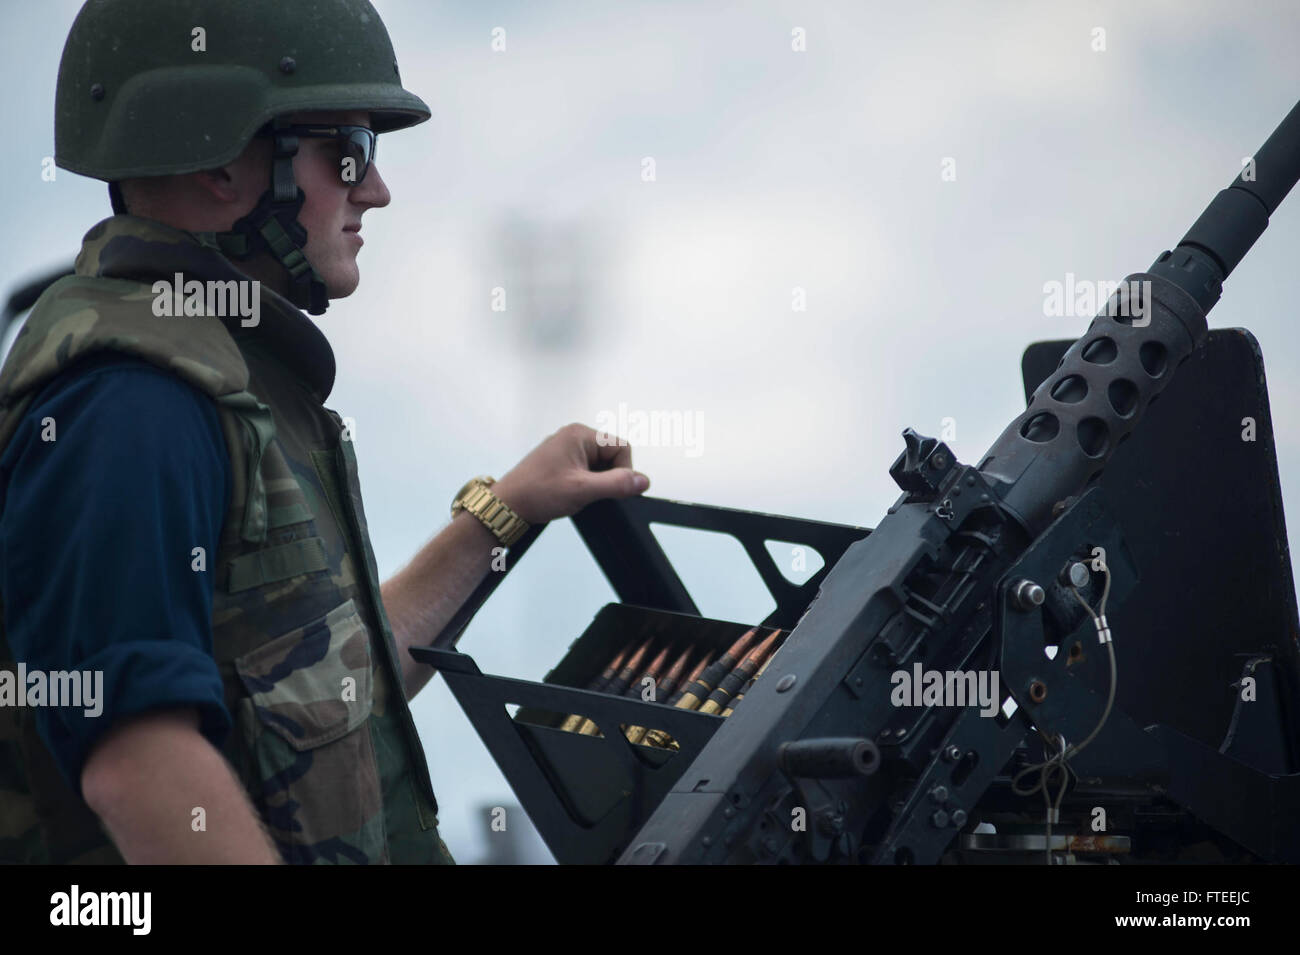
(97, 535)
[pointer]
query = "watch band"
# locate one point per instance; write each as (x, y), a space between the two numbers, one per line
(477, 498)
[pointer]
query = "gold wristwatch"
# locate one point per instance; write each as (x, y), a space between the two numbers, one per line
(477, 498)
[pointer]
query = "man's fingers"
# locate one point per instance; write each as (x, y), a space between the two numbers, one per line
(606, 451)
(616, 482)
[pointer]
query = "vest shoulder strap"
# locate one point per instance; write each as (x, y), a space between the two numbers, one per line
(81, 316)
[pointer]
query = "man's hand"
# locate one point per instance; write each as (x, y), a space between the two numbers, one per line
(561, 476)
(566, 472)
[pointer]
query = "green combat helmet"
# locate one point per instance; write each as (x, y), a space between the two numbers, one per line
(164, 87)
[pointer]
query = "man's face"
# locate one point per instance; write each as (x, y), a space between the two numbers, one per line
(333, 208)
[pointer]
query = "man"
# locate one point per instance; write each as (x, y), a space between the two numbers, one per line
(181, 513)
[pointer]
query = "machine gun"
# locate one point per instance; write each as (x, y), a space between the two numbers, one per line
(860, 743)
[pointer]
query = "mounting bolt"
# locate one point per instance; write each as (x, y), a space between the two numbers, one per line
(959, 817)
(785, 682)
(1077, 574)
(1027, 595)
(938, 460)
(939, 819)
(952, 753)
(288, 64)
(939, 794)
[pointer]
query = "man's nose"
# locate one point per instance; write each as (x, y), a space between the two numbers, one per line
(372, 191)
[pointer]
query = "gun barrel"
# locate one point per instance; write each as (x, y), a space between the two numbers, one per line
(1236, 217)
(1109, 377)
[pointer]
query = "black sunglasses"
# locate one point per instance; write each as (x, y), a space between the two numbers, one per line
(357, 145)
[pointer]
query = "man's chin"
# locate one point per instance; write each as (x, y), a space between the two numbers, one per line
(342, 286)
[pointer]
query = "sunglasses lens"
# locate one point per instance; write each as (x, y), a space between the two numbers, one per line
(358, 153)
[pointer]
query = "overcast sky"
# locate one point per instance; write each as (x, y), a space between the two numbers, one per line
(774, 170)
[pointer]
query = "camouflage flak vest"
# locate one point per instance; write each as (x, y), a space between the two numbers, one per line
(323, 739)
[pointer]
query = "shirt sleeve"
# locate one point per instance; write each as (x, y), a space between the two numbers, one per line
(114, 476)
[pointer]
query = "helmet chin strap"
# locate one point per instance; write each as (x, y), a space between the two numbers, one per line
(115, 198)
(272, 226)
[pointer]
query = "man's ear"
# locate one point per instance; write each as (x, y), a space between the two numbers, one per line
(241, 181)
(218, 184)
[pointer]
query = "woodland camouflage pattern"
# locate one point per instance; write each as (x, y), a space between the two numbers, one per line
(323, 739)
